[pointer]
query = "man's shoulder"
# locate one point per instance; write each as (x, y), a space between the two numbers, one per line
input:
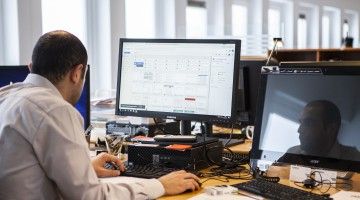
(348, 149)
(295, 149)
(349, 153)
(35, 98)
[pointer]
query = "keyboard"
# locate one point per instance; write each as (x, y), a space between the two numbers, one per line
(276, 191)
(147, 171)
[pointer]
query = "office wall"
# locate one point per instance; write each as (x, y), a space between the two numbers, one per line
(21, 25)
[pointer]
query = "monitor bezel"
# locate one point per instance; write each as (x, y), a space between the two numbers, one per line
(86, 87)
(256, 154)
(181, 116)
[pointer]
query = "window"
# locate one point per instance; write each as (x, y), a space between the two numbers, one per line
(346, 28)
(274, 24)
(325, 31)
(239, 20)
(351, 26)
(332, 27)
(302, 31)
(196, 19)
(140, 18)
(74, 21)
(9, 35)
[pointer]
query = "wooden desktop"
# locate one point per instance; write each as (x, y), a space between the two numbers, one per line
(279, 171)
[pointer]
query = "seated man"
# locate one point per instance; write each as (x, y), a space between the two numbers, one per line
(320, 123)
(43, 151)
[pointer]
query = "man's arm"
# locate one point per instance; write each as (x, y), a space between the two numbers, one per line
(61, 149)
(63, 154)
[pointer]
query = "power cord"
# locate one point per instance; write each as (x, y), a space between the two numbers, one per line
(311, 183)
(257, 174)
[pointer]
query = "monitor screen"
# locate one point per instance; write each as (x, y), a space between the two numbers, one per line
(251, 70)
(13, 74)
(178, 78)
(309, 116)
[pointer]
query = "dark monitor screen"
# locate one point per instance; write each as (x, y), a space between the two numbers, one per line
(178, 79)
(309, 116)
(251, 70)
(13, 74)
(83, 105)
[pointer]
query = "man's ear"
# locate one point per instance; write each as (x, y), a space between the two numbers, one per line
(76, 73)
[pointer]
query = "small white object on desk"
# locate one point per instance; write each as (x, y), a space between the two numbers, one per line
(300, 173)
(223, 192)
(348, 195)
(220, 190)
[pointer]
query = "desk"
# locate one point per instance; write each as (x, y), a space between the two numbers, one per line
(243, 148)
(240, 148)
(280, 171)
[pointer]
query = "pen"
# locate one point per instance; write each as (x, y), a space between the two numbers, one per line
(88, 130)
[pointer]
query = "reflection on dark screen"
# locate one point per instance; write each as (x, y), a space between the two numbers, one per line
(14, 74)
(315, 115)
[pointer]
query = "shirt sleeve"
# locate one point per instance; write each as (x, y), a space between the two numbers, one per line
(62, 151)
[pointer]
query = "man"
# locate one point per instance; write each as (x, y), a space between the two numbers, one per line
(320, 123)
(43, 152)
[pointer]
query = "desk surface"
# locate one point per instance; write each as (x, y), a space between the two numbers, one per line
(280, 171)
(242, 148)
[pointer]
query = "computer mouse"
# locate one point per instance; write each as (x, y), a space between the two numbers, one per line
(190, 190)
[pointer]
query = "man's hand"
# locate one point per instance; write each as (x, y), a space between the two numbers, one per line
(179, 181)
(99, 162)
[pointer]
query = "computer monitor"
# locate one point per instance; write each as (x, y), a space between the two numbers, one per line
(83, 104)
(251, 70)
(308, 116)
(13, 74)
(178, 79)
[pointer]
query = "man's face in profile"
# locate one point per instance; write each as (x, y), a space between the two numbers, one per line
(312, 131)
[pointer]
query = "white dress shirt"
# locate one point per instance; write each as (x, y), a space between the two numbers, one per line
(43, 151)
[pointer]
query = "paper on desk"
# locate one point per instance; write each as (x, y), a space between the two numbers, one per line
(346, 195)
(205, 196)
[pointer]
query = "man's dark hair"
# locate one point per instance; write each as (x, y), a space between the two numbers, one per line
(330, 112)
(56, 53)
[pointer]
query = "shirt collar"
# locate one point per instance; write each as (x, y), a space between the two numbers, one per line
(40, 81)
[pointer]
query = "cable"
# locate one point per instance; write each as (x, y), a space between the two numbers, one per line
(256, 173)
(231, 133)
(312, 184)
